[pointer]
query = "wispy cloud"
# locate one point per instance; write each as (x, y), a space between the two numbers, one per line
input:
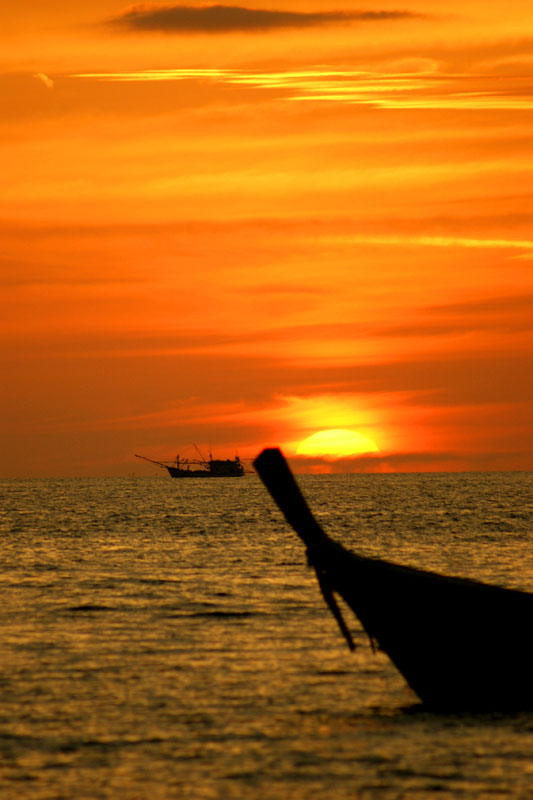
(423, 87)
(389, 462)
(413, 462)
(227, 19)
(430, 241)
(48, 82)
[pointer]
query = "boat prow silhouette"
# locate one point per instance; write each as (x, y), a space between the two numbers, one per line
(459, 644)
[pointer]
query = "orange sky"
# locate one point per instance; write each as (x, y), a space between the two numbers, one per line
(238, 227)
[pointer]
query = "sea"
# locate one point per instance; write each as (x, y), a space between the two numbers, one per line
(164, 638)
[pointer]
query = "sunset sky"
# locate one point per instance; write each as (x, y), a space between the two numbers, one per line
(241, 225)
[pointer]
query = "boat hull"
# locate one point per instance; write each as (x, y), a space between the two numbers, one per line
(215, 469)
(459, 644)
(176, 472)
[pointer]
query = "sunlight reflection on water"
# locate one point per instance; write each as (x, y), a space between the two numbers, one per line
(164, 638)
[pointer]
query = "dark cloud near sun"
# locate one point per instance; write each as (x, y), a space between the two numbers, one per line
(230, 19)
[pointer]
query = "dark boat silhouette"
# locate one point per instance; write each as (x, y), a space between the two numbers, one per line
(202, 468)
(459, 644)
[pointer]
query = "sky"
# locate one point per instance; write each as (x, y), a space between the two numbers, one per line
(238, 225)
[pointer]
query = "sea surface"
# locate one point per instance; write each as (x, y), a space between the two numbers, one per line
(165, 639)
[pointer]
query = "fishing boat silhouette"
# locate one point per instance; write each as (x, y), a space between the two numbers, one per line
(459, 644)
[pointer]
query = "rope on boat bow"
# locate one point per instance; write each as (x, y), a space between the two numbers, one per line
(279, 480)
(331, 603)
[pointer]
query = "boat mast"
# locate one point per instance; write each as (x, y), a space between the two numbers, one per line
(204, 460)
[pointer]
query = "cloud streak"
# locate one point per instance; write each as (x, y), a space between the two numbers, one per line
(230, 19)
(48, 82)
(412, 462)
(346, 86)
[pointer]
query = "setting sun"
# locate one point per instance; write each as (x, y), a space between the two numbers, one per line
(336, 443)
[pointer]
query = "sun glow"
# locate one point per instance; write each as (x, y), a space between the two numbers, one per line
(336, 443)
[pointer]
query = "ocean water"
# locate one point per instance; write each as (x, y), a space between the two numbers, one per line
(165, 639)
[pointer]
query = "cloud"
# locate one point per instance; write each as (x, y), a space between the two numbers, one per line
(389, 462)
(491, 305)
(506, 313)
(48, 82)
(229, 19)
(414, 462)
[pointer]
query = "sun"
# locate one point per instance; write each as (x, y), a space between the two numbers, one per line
(336, 443)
